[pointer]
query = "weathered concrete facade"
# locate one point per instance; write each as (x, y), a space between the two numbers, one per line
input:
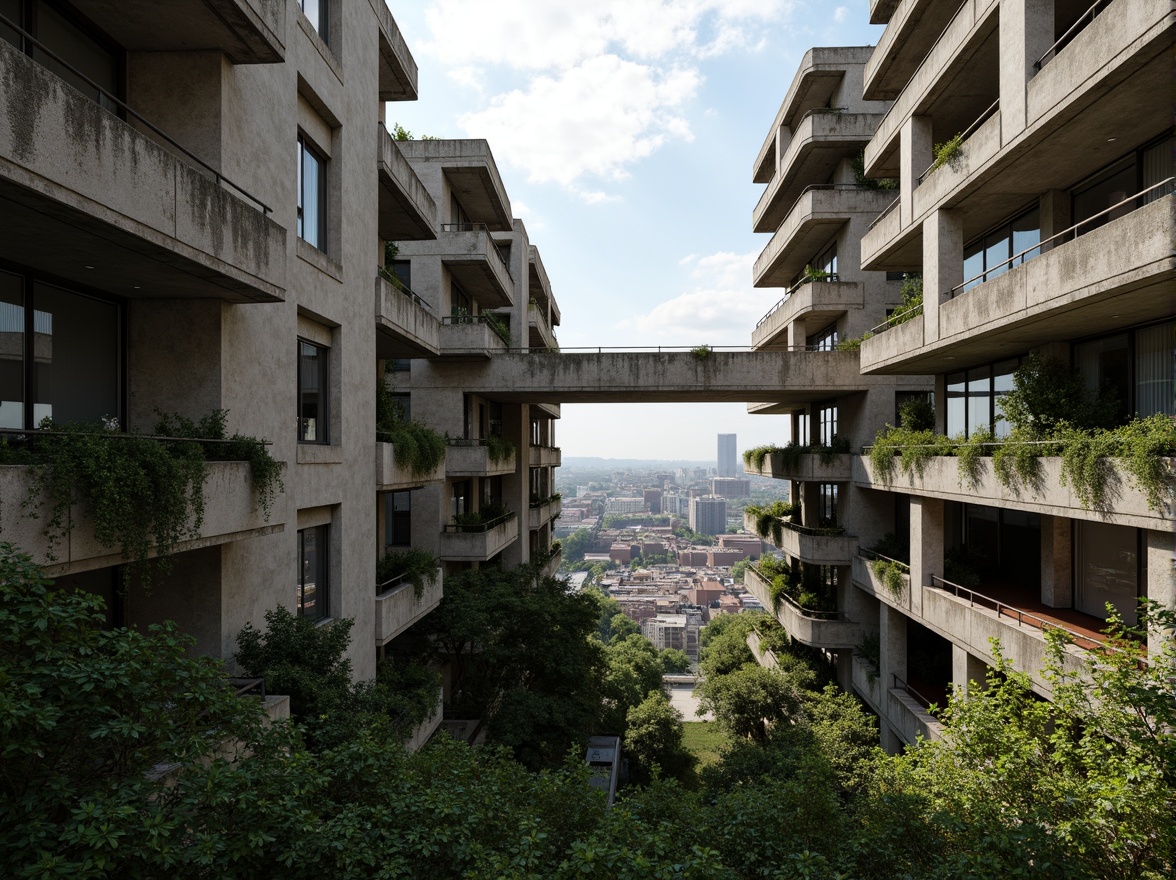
(1046, 227)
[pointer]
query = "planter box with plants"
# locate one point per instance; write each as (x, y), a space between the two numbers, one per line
(470, 336)
(80, 497)
(818, 629)
(392, 475)
(544, 511)
(479, 458)
(409, 584)
(816, 546)
(478, 537)
(554, 560)
(800, 463)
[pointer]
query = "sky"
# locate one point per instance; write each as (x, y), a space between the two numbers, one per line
(625, 132)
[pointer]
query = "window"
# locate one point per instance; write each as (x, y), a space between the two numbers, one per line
(1113, 187)
(1107, 570)
(76, 42)
(989, 256)
(397, 519)
(312, 196)
(973, 398)
(313, 412)
(462, 500)
(827, 507)
(313, 580)
(317, 12)
(66, 363)
(1136, 366)
(800, 428)
(827, 424)
(826, 340)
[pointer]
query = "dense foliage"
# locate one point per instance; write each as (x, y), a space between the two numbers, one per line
(416, 567)
(415, 447)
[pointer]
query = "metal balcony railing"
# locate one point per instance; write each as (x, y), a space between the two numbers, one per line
(479, 527)
(829, 278)
(885, 213)
(1005, 610)
(1077, 27)
(126, 108)
(897, 683)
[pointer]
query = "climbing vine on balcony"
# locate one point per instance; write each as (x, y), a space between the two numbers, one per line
(769, 519)
(418, 449)
(417, 567)
(144, 494)
(499, 449)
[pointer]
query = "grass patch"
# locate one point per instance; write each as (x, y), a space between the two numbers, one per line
(704, 740)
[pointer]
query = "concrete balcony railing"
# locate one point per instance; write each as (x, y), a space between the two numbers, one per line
(819, 629)
(406, 210)
(811, 467)
(398, 606)
(821, 140)
(231, 513)
(940, 478)
(553, 563)
(1129, 261)
(813, 546)
(468, 167)
(469, 337)
(471, 458)
(469, 252)
(392, 477)
(246, 31)
(543, 512)
(545, 456)
(810, 223)
(539, 332)
(405, 326)
(814, 300)
(140, 220)
(398, 69)
(429, 726)
(478, 543)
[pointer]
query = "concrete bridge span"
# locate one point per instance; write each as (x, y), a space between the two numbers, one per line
(772, 380)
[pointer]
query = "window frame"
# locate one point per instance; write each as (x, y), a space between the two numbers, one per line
(324, 379)
(306, 147)
(322, 572)
(323, 28)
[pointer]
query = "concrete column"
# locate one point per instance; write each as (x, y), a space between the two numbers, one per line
(967, 671)
(1026, 33)
(916, 151)
(926, 545)
(783, 139)
(891, 742)
(520, 267)
(516, 487)
(796, 333)
(1161, 579)
(892, 630)
(1057, 574)
(845, 670)
(941, 403)
(1054, 208)
(943, 264)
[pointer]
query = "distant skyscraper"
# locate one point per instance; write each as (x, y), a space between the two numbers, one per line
(708, 515)
(728, 457)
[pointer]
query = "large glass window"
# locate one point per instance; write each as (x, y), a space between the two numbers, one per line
(1135, 366)
(827, 420)
(973, 398)
(992, 254)
(312, 196)
(1107, 563)
(397, 519)
(1155, 370)
(313, 411)
(826, 340)
(313, 573)
(318, 13)
(67, 365)
(1112, 189)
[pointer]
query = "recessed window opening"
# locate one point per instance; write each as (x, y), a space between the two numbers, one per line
(312, 195)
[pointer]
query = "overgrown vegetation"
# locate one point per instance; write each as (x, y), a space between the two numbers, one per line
(144, 494)
(770, 519)
(950, 152)
(891, 565)
(1051, 413)
(1080, 788)
(415, 447)
(859, 175)
(416, 567)
(701, 352)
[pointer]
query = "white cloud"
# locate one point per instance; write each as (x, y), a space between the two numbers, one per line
(541, 34)
(726, 269)
(840, 14)
(595, 118)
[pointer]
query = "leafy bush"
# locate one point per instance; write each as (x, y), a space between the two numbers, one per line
(499, 448)
(1048, 396)
(950, 152)
(917, 414)
(415, 447)
(701, 352)
(755, 457)
(912, 301)
(417, 566)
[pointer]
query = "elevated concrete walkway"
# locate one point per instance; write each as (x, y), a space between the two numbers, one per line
(762, 377)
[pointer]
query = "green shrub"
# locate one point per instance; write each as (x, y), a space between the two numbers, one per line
(417, 566)
(701, 352)
(499, 448)
(415, 447)
(950, 152)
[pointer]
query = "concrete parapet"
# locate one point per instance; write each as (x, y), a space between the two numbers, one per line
(399, 608)
(474, 461)
(479, 546)
(392, 477)
(407, 211)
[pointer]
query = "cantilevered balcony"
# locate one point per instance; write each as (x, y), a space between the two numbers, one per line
(471, 458)
(246, 31)
(940, 477)
(139, 220)
(912, 27)
(470, 337)
(468, 251)
(545, 456)
(544, 511)
(468, 170)
(405, 325)
(391, 476)
(806, 467)
(831, 546)
(398, 69)
(1116, 275)
(406, 210)
(400, 603)
(903, 708)
(429, 726)
(479, 542)
(829, 630)
(554, 560)
(819, 211)
(822, 139)
(231, 513)
(820, 303)
(539, 332)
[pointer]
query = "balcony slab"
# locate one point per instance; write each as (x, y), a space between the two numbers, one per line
(478, 546)
(399, 608)
(391, 477)
(474, 461)
(405, 327)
